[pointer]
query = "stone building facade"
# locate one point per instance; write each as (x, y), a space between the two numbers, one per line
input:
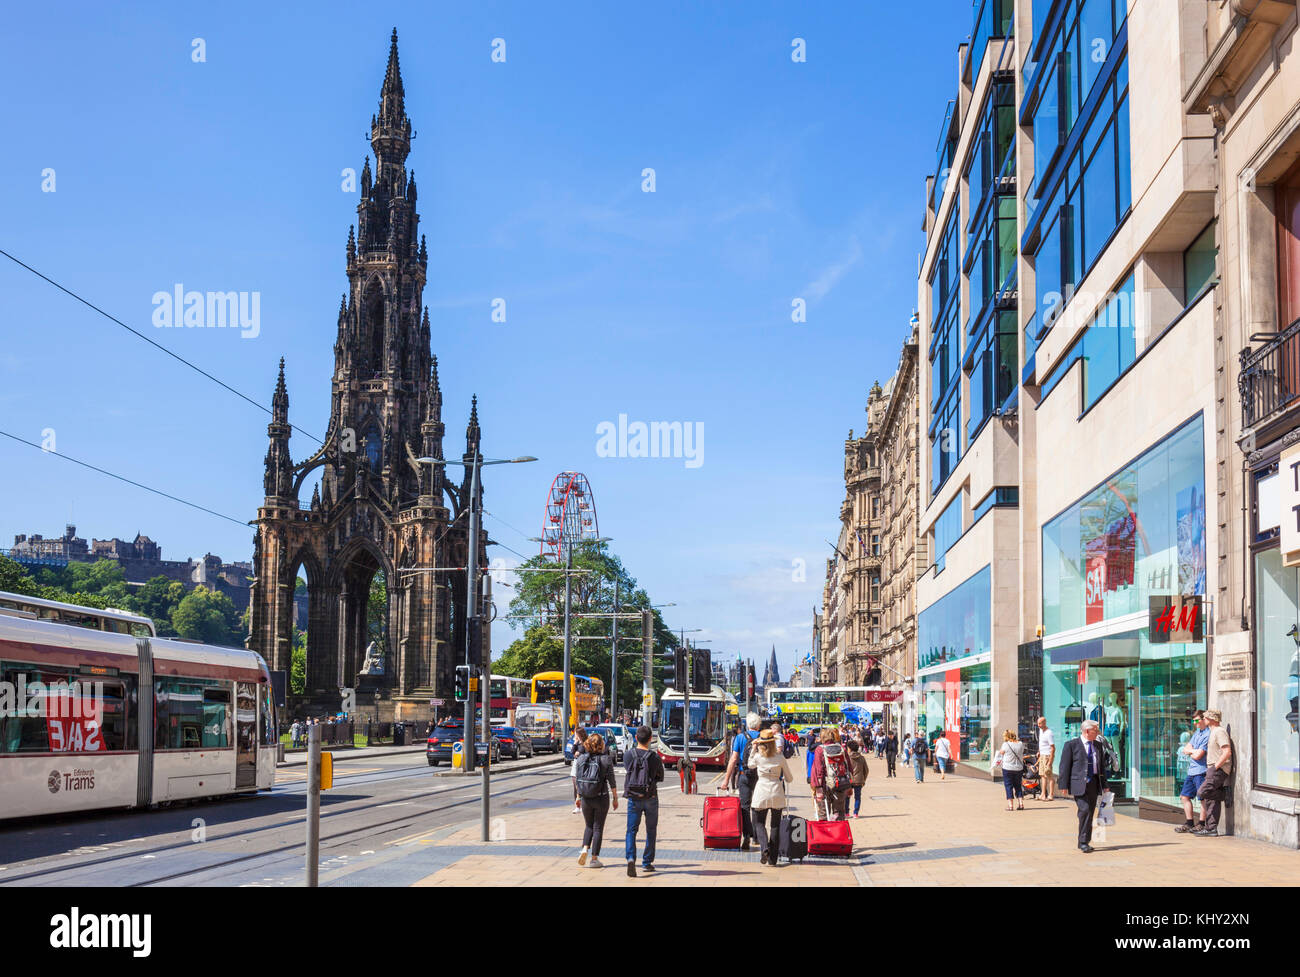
(376, 508)
(868, 612)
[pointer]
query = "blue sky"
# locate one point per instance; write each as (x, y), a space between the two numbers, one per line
(773, 180)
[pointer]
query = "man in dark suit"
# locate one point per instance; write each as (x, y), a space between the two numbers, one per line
(1083, 774)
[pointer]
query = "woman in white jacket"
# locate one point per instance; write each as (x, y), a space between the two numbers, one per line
(767, 757)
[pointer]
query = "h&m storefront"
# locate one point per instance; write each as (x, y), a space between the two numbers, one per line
(1139, 534)
(954, 675)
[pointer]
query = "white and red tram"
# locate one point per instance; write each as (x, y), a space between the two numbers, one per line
(93, 716)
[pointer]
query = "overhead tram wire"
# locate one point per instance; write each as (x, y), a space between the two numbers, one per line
(140, 335)
(128, 481)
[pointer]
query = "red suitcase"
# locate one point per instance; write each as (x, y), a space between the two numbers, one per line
(721, 822)
(830, 838)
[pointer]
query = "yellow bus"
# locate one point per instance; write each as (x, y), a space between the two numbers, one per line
(586, 695)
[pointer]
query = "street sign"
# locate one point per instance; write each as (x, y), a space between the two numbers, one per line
(647, 703)
(437, 702)
(473, 683)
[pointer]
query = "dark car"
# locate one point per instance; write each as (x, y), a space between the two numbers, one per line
(451, 731)
(513, 743)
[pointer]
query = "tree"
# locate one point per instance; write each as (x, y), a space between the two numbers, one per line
(539, 607)
(209, 617)
(298, 663)
(158, 599)
(377, 616)
(15, 579)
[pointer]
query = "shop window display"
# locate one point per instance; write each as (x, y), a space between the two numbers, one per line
(958, 703)
(1277, 650)
(1138, 534)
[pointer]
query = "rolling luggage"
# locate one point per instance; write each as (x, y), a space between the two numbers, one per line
(830, 838)
(794, 837)
(721, 822)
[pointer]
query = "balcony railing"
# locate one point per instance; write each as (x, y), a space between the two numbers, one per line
(1269, 381)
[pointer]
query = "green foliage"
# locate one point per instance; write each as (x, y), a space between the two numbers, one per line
(298, 663)
(158, 599)
(15, 579)
(539, 607)
(377, 613)
(209, 617)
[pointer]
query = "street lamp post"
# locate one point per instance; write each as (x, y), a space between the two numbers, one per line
(474, 625)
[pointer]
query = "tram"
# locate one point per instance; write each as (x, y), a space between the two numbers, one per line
(94, 717)
(708, 727)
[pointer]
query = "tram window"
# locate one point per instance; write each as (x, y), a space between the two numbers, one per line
(191, 714)
(69, 715)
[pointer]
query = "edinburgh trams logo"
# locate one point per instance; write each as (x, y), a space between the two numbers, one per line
(74, 780)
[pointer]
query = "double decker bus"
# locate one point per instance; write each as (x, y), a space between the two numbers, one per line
(801, 709)
(707, 727)
(505, 694)
(586, 695)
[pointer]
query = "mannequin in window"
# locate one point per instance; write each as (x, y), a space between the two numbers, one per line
(1094, 708)
(1115, 727)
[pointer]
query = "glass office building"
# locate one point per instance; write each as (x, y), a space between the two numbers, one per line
(1139, 534)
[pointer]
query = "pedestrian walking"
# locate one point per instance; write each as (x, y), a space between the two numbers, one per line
(907, 748)
(857, 774)
(1010, 759)
(772, 772)
(891, 754)
(920, 753)
(1046, 757)
(738, 766)
(1195, 750)
(294, 732)
(579, 740)
(943, 755)
(778, 733)
(645, 771)
(1218, 760)
(830, 777)
(1083, 777)
(595, 780)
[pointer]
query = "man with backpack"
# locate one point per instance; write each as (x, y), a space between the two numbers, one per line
(640, 788)
(920, 754)
(745, 777)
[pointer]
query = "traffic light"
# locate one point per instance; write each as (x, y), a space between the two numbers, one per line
(475, 625)
(462, 682)
(679, 669)
(701, 671)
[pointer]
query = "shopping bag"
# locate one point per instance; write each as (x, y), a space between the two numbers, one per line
(1106, 808)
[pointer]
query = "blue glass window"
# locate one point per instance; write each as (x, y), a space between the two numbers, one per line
(1002, 497)
(994, 371)
(1138, 534)
(958, 625)
(947, 530)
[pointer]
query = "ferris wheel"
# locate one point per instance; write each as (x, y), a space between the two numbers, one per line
(570, 516)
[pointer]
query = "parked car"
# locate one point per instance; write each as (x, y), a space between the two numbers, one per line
(450, 731)
(514, 743)
(618, 739)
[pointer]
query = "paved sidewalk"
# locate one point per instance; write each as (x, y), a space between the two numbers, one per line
(953, 832)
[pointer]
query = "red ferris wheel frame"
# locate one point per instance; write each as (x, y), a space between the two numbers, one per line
(570, 516)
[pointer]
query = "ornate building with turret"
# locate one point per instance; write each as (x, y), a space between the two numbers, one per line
(376, 507)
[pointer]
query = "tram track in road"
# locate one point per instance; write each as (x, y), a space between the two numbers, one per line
(405, 818)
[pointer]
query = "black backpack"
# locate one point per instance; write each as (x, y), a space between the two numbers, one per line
(637, 782)
(920, 748)
(750, 776)
(591, 776)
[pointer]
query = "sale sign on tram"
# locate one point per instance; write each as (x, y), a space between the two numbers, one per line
(72, 723)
